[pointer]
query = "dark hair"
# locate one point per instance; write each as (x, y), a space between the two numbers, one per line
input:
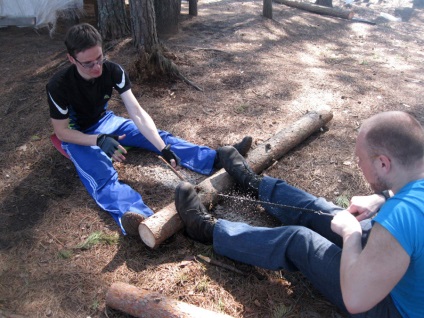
(396, 134)
(81, 37)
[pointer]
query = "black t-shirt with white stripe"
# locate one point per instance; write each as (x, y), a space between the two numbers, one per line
(84, 101)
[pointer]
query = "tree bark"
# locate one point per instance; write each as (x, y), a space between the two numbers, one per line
(151, 62)
(267, 9)
(143, 25)
(192, 7)
(145, 304)
(167, 13)
(161, 225)
(112, 19)
(91, 13)
(318, 9)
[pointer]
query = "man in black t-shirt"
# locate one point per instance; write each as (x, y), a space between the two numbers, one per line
(92, 135)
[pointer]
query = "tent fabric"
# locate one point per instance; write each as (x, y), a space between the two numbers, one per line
(45, 11)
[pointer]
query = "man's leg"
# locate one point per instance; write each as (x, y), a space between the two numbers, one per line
(293, 248)
(294, 200)
(100, 179)
(279, 192)
(289, 247)
(200, 159)
(193, 157)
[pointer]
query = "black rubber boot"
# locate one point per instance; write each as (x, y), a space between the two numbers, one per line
(242, 147)
(198, 222)
(237, 167)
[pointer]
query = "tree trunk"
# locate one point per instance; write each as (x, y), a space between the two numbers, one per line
(167, 13)
(152, 61)
(325, 3)
(143, 25)
(112, 19)
(146, 304)
(192, 7)
(267, 9)
(91, 13)
(161, 225)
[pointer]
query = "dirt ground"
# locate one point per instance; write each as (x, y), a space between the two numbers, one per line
(59, 252)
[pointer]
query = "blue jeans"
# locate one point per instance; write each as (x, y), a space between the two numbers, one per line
(100, 178)
(305, 243)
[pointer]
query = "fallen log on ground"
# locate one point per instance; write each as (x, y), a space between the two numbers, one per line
(318, 9)
(166, 222)
(141, 303)
(6, 314)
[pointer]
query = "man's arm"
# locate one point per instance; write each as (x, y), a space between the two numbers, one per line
(368, 275)
(62, 131)
(366, 206)
(142, 119)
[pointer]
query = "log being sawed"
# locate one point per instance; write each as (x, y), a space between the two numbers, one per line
(141, 303)
(166, 222)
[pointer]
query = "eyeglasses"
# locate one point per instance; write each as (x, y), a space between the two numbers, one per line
(90, 65)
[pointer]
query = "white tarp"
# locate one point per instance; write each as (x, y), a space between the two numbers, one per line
(44, 11)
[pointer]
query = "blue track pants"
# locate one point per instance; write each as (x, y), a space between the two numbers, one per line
(100, 178)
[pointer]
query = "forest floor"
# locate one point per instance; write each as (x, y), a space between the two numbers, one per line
(59, 252)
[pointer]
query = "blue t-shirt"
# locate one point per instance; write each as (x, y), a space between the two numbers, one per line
(403, 217)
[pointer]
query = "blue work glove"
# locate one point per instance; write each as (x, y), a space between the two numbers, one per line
(168, 155)
(108, 143)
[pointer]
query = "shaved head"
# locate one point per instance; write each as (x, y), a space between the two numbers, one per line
(395, 134)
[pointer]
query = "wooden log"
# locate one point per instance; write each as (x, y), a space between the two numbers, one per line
(318, 9)
(141, 303)
(166, 222)
(7, 314)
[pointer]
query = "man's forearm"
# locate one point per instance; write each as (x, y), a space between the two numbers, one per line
(147, 127)
(349, 271)
(152, 135)
(76, 137)
(142, 120)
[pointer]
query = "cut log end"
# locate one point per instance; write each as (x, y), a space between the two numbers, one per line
(146, 236)
(157, 228)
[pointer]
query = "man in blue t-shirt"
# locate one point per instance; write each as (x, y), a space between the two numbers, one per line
(367, 267)
(92, 135)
